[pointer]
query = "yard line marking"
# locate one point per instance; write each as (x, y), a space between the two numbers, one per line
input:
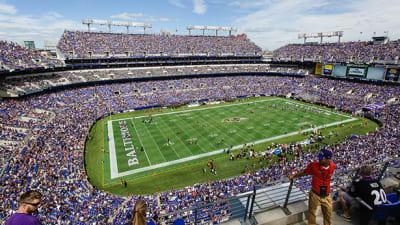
(143, 169)
(193, 110)
(140, 141)
(201, 135)
(325, 110)
(173, 149)
(113, 162)
(154, 141)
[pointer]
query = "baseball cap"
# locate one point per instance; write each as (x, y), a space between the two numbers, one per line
(324, 154)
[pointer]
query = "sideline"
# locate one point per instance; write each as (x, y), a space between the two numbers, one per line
(126, 173)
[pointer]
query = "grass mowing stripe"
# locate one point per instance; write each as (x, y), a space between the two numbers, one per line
(204, 140)
(194, 129)
(140, 141)
(221, 150)
(187, 175)
(323, 109)
(155, 143)
(201, 109)
(212, 125)
(170, 147)
(248, 131)
(178, 138)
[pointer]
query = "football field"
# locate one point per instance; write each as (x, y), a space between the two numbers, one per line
(165, 140)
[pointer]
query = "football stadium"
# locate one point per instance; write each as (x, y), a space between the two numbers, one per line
(205, 128)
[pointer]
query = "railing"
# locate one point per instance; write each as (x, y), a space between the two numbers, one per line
(278, 194)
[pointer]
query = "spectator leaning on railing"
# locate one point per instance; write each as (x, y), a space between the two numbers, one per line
(321, 172)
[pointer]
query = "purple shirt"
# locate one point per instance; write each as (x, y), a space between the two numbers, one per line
(22, 219)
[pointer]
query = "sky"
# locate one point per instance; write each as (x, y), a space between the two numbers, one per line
(268, 23)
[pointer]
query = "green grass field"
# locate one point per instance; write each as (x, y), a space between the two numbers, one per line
(196, 135)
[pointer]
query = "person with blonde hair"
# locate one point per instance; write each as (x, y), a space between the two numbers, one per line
(139, 213)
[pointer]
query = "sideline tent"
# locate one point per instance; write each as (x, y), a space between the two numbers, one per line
(277, 151)
(354, 136)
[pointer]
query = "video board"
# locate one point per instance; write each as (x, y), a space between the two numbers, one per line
(375, 73)
(392, 74)
(339, 71)
(328, 69)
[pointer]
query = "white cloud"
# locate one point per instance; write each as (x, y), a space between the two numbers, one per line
(138, 17)
(163, 19)
(54, 14)
(247, 4)
(278, 22)
(199, 7)
(127, 16)
(47, 26)
(177, 3)
(8, 9)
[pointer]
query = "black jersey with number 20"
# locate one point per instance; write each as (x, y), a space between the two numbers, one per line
(369, 190)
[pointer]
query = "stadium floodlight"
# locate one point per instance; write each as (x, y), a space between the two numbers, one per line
(100, 22)
(200, 27)
(88, 22)
(321, 35)
(226, 28)
(216, 28)
(301, 36)
(212, 28)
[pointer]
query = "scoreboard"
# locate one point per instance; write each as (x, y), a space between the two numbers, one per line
(377, 72)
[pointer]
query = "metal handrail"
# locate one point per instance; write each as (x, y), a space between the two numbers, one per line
(251, 195)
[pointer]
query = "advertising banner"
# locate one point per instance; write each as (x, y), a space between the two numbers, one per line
(318, 68)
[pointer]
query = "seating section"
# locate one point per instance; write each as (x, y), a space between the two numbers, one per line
(50, 156)
(390, 209)
(359, 52)
(15, 57)
(23, 85)
(102, 45)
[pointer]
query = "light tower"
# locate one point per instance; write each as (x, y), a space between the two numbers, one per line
(321, 35)
(88, 22)
(214, 28)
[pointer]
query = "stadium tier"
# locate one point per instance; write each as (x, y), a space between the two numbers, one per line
(357, 52)
(44, 130)
(15, 57)
(58, 123)
(76, 44)
(29, 84)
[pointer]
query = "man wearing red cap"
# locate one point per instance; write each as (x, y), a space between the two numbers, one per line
(321, 172)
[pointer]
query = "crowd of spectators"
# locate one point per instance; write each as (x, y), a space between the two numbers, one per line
(91, 44)
(359, 52)
(16, 57)
(23, 85)
(52, 159)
